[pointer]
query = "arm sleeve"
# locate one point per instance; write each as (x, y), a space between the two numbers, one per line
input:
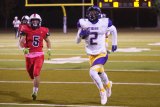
(48, 33)
(78, 38)
(113, 31)
(22, 33)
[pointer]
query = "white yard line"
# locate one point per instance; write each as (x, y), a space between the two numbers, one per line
(52, 82)
(13, 60)
(17, 69)
(68, 69)
(54, 105)
(68, 49)
(116, 54)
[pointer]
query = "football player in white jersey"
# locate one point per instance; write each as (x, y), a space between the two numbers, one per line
(93, 30)
(16, 24)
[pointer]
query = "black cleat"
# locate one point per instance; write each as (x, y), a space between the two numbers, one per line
(34, 96)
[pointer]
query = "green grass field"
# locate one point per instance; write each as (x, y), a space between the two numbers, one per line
(135, 75)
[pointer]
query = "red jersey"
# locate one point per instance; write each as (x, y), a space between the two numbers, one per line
(20, 26)
(34, 37)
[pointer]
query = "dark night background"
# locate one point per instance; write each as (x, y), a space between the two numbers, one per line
(53, 16)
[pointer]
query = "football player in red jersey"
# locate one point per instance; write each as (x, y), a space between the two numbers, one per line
(34, 35)
(24, 23)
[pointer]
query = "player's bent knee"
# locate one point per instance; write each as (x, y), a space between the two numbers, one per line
(97, 68)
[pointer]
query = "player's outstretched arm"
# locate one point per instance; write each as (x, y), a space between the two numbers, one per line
(48, 44)
(113, 31)
(22, 42)
(78, 38)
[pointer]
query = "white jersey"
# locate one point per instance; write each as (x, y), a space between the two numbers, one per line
(16, 23)
(95, 43)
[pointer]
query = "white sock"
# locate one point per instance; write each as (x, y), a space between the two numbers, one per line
(94, 75)
(35, 90)
(104, 78)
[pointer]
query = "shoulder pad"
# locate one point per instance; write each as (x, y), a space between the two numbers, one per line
(82, 22)
(45, 30)
(24, 28)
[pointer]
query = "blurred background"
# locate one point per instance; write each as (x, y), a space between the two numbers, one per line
(123, 13)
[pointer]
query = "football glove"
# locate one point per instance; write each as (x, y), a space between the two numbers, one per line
(114, 48)
(84, 33)
(49, 54)
(26, 50)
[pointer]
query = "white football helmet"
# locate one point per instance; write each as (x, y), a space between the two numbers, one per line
(16, 18)
(25, 19)
(35, 20)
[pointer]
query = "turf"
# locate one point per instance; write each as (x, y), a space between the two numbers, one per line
(141, 68)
